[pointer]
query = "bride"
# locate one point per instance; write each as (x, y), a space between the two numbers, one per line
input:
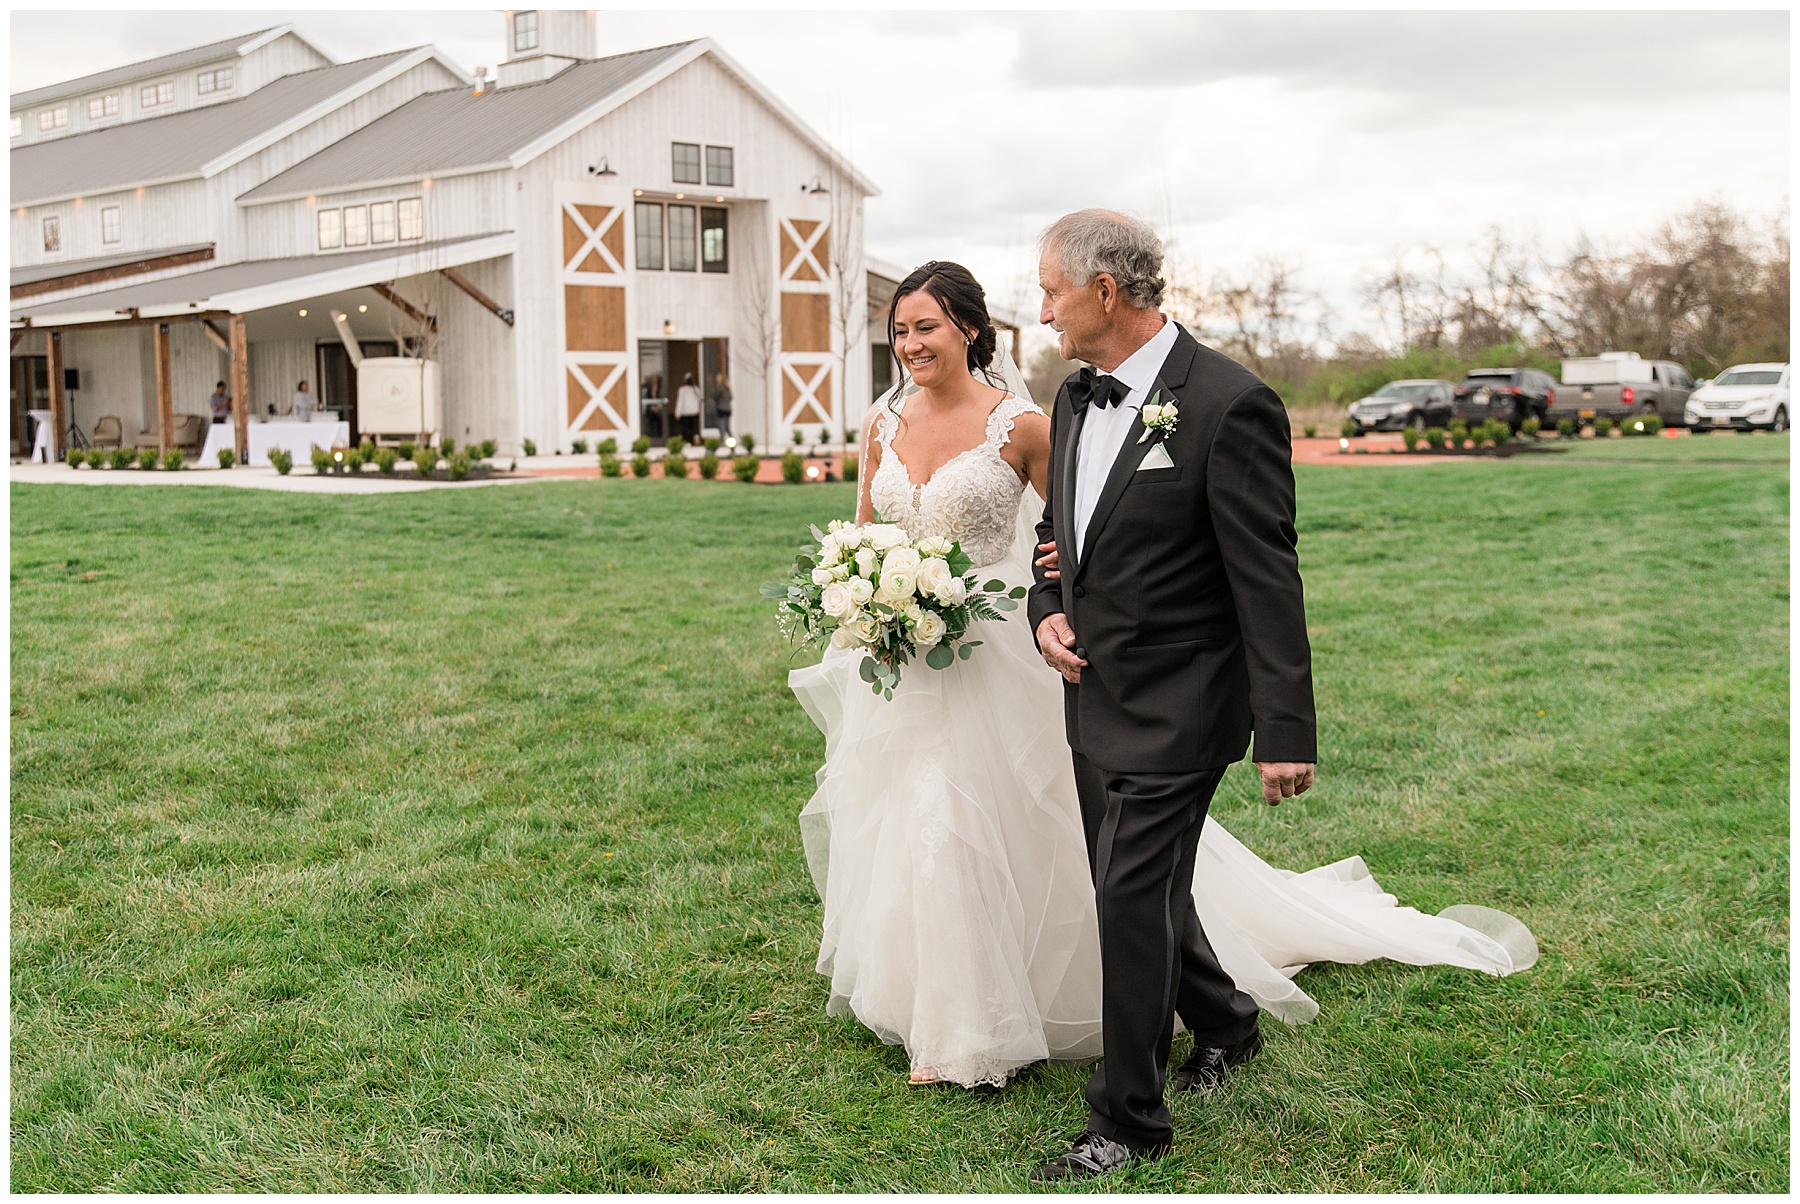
(945, 838)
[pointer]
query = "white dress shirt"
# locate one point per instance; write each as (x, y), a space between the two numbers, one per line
(1104, 431)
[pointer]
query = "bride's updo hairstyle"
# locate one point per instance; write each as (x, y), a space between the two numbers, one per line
(955, 288)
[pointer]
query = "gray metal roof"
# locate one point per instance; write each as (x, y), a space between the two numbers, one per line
(74, 267)
(176, 146)
(197, 288)
(442, 131)
(130, 71)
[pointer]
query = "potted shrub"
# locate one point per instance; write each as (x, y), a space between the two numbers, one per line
(713, 443)
(281, 460)
(1311, 429)
(1653, 424)
(1410, 437)
(321, 460)
(579, 447)
(121, 457)
(609, 466)
(709, 466)
(1603, 427)
(386, 460)
(74, 457)
(793, 467)
(1348, 429)
(640, 465)
(1435, 436)
(459, 465)
(747, 441)
(526, 445)
(146, 459)
(675, 465)
(1530, 427)
(426, 459)
(640, 445)
(852, 466)
(172, 462)
(227, 457)
(488, 448)
(744, 468)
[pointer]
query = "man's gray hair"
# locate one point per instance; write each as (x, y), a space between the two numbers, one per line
(1091, 241)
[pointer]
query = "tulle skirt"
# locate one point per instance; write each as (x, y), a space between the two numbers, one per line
(945, 841)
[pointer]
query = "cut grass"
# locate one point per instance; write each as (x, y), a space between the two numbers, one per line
(447, 842)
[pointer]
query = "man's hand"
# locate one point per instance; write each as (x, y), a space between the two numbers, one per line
(1280, 779)
(1051, 562)
(1056, 640)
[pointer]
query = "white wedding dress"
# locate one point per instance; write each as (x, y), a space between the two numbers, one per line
(946, 842)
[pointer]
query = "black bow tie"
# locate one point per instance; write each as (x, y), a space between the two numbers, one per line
(1096, 389)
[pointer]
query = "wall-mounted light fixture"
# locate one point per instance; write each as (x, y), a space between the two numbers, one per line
(602, 168)
(815, 186)
(303, 313)
(668, 326)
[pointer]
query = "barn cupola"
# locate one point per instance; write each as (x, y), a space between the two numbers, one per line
(543, 41)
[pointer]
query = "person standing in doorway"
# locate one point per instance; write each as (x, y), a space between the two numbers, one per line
(721, 399)
(304, 403)
(221, 404)
(687, 408)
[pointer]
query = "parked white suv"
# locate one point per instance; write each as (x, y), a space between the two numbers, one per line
(1744, 397)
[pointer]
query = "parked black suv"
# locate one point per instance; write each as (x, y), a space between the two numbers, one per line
(1509, 394)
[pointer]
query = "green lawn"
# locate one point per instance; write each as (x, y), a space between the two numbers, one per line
(447, 842)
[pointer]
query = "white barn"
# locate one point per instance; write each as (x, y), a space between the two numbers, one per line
(566, 242)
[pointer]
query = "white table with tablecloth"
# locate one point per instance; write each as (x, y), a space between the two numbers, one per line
(40, 447)
(296, 438)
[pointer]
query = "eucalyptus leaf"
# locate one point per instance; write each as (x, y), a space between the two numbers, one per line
(774, 589)
(866, 670)
(968, 649)
(1018, 591)
(940, 657)
(1005, 604)
(994, 586)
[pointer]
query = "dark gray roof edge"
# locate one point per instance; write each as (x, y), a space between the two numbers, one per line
(269, 187)
(174, 60)
(141, 123)
(33, 273)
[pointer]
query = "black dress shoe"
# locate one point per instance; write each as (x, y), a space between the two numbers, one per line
(1091, 1157)
(1207, 1065)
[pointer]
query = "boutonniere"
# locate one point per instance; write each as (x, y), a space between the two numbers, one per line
(1157, 417)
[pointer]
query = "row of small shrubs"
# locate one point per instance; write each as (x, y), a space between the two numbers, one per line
(144, 459)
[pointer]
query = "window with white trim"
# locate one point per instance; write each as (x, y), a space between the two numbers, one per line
(109, 223)
(381, 221)
(412, 219)
(648, 221)
(53, 233)
(151, 95)
(18, 126)
(102, 107)
(525, 31)
(331, 229)
(53, 119)
(217, 80)
(356, 225)
(683, 239)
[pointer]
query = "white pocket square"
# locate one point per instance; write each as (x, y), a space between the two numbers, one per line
(1158, 457)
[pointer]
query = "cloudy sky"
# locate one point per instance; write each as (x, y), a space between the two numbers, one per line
(1334, 141)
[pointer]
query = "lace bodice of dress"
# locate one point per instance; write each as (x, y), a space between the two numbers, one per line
(973, 498)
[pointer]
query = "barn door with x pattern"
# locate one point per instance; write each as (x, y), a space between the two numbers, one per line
(807, 366)
(596, 370)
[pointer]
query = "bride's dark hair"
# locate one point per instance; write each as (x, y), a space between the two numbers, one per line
(955, 288)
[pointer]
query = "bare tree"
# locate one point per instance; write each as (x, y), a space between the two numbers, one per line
(1416, 299)
(759, 300)
(849, 296)
(1264, 322)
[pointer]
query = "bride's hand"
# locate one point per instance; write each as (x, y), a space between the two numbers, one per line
(1050, 562)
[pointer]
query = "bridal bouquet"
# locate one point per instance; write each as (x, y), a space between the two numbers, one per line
(874, 587)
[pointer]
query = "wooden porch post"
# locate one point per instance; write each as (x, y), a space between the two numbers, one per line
(240, 387)
(165, 398)
(59, 416)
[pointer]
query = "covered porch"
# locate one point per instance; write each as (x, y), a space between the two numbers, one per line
(139, 363)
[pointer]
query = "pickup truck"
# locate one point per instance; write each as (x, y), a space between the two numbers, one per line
(1620, 385)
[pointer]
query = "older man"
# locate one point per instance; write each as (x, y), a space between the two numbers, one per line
(1173, 608)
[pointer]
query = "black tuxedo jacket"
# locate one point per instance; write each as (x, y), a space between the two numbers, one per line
(1186, 602)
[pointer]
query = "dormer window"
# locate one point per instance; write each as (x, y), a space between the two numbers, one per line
(18, 126)
(525, 32)
(152, 95)
(109, 224)
(217, 80)
(102, 107)
(52, 234)
(53, 119)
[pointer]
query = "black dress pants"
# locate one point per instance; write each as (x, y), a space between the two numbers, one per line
(1143, 830)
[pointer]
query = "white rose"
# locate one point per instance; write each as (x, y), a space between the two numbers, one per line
(862, 628)
(914, 613)
(954, 593)
(822, 576)
(865, 561)
(829, 552)
(883, 536)
(1150, 414)
(934, 574)
(837, 600)
(843, 637)
(861, 590)
(901, 559)
(896, 586)
(929, 631)
(839, 572)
